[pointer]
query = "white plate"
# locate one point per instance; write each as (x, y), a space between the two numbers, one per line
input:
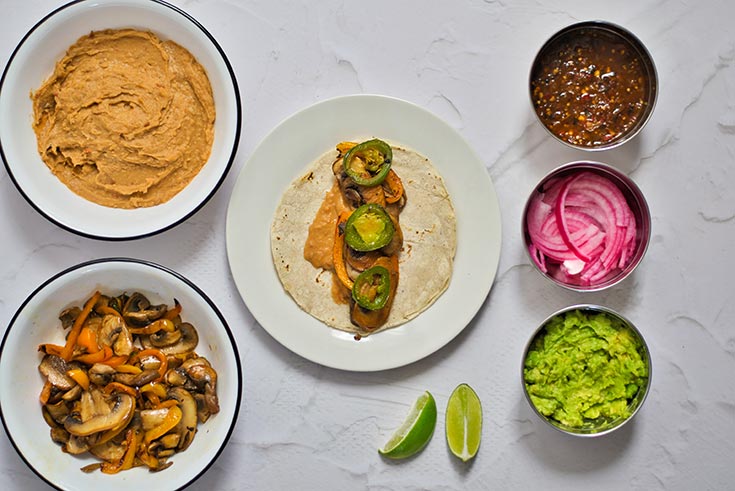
(33, 61)
(285, 153)
(36, 322)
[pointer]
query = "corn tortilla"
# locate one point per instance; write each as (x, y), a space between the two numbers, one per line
(429, 229)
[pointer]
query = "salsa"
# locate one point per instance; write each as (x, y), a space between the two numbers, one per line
(589, 87)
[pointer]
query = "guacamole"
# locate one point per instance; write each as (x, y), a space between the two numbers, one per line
(584, 369)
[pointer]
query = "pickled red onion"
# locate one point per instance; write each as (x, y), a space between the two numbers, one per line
(583, 223)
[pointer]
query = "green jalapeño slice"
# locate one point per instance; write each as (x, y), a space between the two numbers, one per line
(369, 228)
(372, 288)
(369, 162)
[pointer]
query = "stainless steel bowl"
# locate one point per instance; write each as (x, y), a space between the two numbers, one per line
(598, 27)
(637, 203)
(635, 404)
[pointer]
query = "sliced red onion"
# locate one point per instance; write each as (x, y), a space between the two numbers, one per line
(582, 223)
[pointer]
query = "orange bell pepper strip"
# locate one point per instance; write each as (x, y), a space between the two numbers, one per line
(172, 418)
(99, 356)
(88, 339)
(154, 388)
(147, 458)
(171, 314)
(114, 361)
(125, 368)
(394, 187)
(167, 403)
(155, 326)
(45, 393)
(107, 310)
(131, 446)
(118, 387)
(71, 340)
(50, 349)
(338, 251)
(163, 367)
(154, 399)
(80, 377)
(344, 147)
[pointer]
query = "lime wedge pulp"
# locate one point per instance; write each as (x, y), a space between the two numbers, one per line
(415, 431)
(464, 422)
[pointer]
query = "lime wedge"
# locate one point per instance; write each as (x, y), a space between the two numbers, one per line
(464, 422)
(415, 431)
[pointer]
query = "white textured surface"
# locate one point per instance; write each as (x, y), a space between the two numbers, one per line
(307, 427)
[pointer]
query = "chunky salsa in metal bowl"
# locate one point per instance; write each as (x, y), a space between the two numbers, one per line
(593, 85)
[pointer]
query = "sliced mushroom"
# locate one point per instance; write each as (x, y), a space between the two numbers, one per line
(121, 410)
(102, 301)
(195, 361)
(55, 414)
(175, 361)
(76, 445)
(360, 261)
(72, 394)
(186, 343)
(109, 330)
(352, 195)
(163, 338)
(187, 427)
(396, 243)
(92, 403)
(118, 302)
(176, 377)
(203, 412)
(137, 380)
(109, 451)
(150, 418)
(68, 316)
(171, 440)
(54, 368)
(138, 310)
(60, 435)
(115, 334)
(124, 343)
(101, 374)
(203, 376)
(149, 362)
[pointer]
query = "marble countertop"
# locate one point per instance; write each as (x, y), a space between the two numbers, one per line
(309, 427)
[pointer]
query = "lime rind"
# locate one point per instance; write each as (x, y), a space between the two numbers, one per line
(415, 431)
(463, 423)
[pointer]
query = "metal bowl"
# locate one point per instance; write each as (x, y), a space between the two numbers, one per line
(581, 33)
(602, 426)
(637, 203)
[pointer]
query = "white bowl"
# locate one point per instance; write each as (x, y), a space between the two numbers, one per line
(36, 322)
(33, 61)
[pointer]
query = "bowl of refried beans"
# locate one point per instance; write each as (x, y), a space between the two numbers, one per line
(118, 119)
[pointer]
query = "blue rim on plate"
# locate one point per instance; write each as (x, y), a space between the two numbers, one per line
(177, 276)
(214, 189)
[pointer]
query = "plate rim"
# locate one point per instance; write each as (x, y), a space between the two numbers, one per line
(215, 188)
(147, 264)
(258, 313)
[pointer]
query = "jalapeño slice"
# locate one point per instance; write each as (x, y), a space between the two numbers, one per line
(369, 162)
(372, 288)
(369, 228)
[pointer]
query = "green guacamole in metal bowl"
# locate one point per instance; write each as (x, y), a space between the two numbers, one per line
(586, 370)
